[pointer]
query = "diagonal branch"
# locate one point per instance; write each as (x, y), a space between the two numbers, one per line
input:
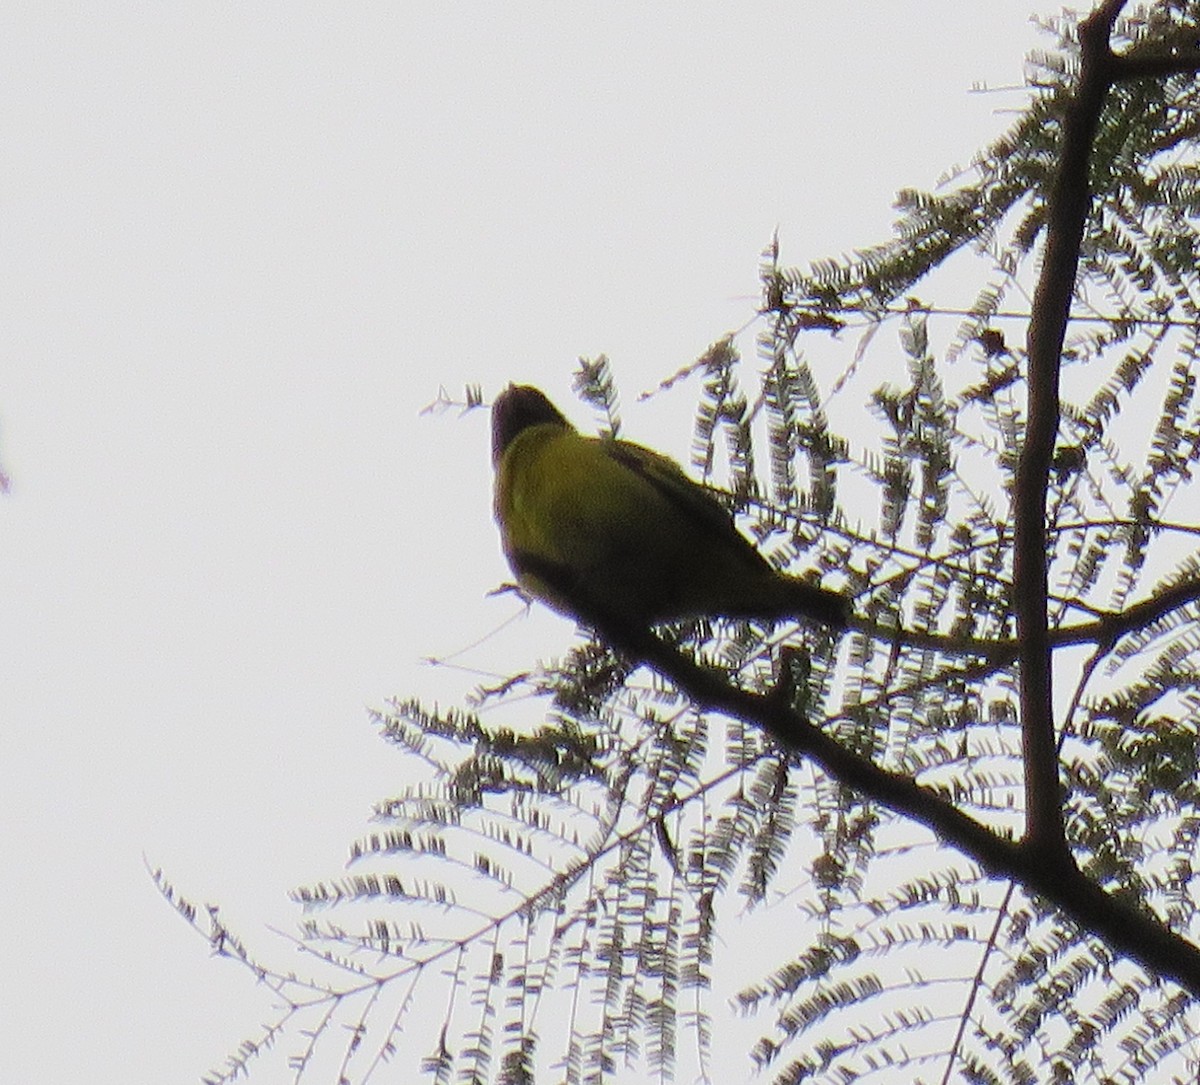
(1055, 878)
(1111, 627)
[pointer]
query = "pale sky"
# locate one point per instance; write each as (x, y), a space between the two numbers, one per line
(244, 245)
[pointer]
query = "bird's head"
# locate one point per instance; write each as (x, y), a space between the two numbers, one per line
(517, 408)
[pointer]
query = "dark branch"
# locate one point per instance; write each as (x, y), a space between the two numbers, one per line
(1069, 203)
(1128, 68)
(1055, 878)
(1110, 628)
(1105, 631)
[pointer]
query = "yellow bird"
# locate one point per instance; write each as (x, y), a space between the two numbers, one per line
(596, 527)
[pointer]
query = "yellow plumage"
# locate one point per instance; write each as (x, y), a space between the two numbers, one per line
(595, 526)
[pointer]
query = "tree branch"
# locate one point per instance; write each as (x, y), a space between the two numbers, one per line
(1069, 203)
(1128, 68)
(1054, 877)
(1106, 629)
(1111, 627)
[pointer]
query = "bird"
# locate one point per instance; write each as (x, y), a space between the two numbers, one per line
(601, 528)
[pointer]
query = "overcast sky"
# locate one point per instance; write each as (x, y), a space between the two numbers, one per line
(243, 246)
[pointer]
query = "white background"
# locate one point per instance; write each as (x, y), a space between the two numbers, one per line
(242, 247)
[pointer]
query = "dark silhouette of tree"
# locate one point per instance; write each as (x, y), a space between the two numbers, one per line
(964, 830)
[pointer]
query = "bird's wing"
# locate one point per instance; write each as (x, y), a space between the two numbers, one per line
(689, 498)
